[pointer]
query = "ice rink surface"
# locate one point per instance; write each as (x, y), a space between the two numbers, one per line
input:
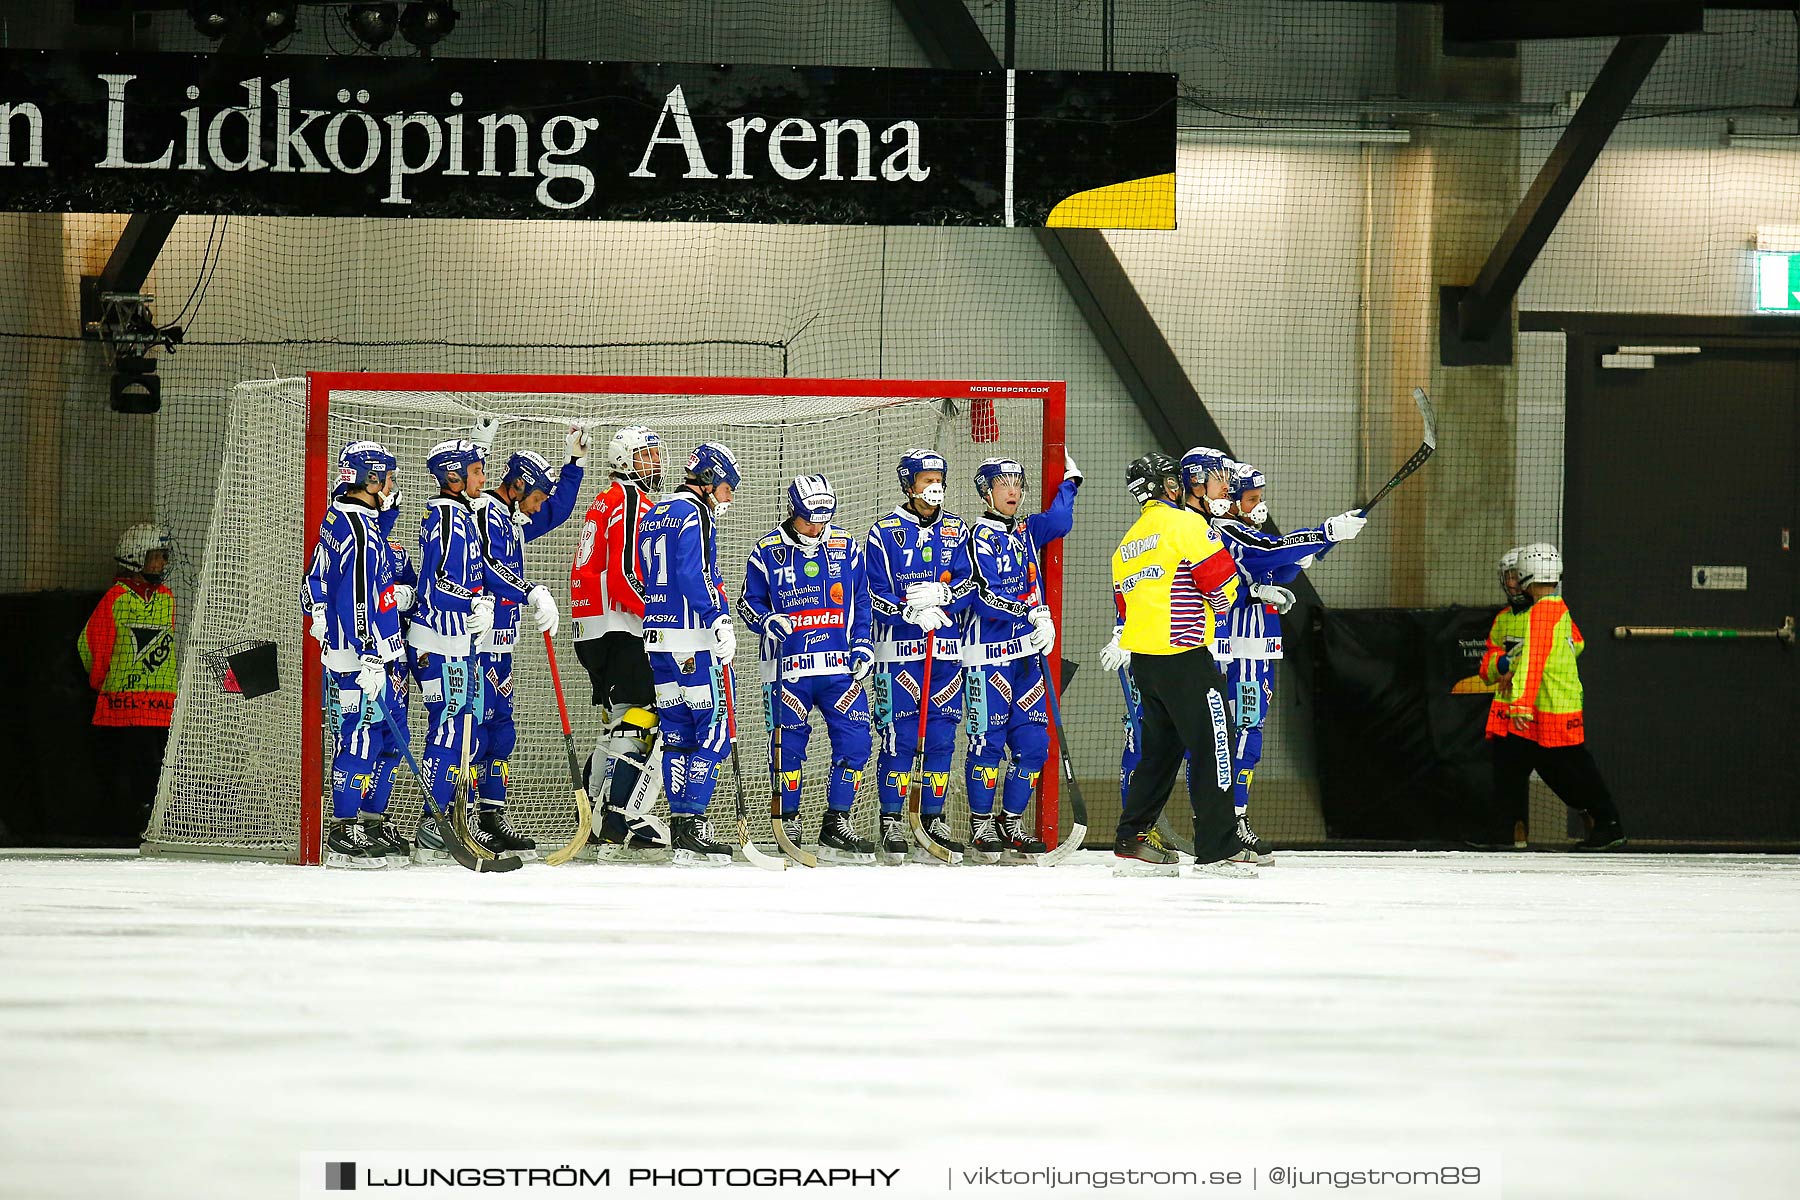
(1614, 1026)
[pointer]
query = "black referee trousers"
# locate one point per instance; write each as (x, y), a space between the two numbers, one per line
(1184, 713)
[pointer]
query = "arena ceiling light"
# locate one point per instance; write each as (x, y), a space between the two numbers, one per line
(211, 17)
(272, 20)
(373, 24)
(427, 22)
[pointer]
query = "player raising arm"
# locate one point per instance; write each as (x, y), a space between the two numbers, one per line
(806, 595)
(691, 642)
(1250, 644)
(527, 505)
(1007, 630)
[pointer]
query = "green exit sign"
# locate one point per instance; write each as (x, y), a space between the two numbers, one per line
(1777, 282)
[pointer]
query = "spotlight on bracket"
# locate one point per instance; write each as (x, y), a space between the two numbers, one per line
(373, 24)
(427, 22)
(211, 17)
(272, 20)
(136, 388)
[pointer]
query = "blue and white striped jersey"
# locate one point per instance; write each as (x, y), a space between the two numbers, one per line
(678, 560)
(451, 575)
(352, 575)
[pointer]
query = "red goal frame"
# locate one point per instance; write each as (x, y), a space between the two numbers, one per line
(319, 465)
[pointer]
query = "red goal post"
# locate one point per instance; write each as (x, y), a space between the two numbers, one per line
(978, 399)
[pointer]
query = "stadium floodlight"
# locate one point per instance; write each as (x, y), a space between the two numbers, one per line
(427, 22)
(373, 24)
(272, 20)
(211, 17)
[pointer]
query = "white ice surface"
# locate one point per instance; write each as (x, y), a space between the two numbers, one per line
(1620, 1026)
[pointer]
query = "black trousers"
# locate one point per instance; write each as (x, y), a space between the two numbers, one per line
(130, 765)
(1569, 770)
(619, 670)
(1184, 712)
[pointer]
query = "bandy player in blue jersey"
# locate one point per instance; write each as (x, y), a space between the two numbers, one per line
(919, 583)
(1006, 631)
(691, 642)
(806, 594)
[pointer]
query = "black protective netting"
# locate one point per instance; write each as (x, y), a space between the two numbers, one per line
(1334, 169)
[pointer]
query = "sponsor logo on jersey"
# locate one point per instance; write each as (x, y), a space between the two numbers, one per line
(773, 539)
(589, 531)
(925, 552)
(837, 593)
(386, 603)
(780, 555)
(811, 569)
(889, 523)
(1136, 577)
(1030, 574)
(837, 543)
(817, 618)
(899, 535)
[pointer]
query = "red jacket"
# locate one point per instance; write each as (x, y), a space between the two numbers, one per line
(606, 592)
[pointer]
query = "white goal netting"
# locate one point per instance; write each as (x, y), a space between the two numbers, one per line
(231, 781)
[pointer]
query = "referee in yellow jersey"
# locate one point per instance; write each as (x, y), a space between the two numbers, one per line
(1173, 580)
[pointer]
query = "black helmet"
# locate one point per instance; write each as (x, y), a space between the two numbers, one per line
(1146, 477)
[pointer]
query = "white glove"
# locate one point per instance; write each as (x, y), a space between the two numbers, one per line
(724, 640)
(577, 442)
(862, 662)
(1070, 470)
(928, 592)
(1307, 562)
(483, 431)
(925, 616)
(390, 500)
(371, 677)
(776, 626)
(404, 598)
(1345, 527)
(1278, 598)
(316, 626)
(481, 615)
(1114, 656)
(1043, 633)
(543, 609)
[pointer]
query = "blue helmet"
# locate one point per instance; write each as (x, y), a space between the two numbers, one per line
(1202, 463)
(992, 471)
(532, 470)
(361, 463)
(811, 497)
(1245, 478)
(713, 462)
(916, 462)
(452, 460)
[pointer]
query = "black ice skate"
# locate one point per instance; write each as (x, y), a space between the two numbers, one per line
(429, 845)
(937, 828)
(694, 843)
(985, 845)
(1255, 849)
(838, 842)
(348, 846)
(892, 847)
(1144, 854)
(1602, 835)
(500, 837)
(387, 841)
(1018, 844)
(618, 842)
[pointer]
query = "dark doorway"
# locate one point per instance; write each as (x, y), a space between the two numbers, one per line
(1679, 509)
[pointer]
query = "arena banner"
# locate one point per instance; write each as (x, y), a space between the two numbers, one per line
(448, 137)
(1399, 714)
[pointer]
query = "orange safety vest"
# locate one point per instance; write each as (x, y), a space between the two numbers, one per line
(1543, 687)
(128, 648)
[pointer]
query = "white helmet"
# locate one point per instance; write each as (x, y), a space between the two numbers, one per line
(136, 543)
(621, 455)
(1539, 563)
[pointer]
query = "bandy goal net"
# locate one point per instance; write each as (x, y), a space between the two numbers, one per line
(247, 777)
